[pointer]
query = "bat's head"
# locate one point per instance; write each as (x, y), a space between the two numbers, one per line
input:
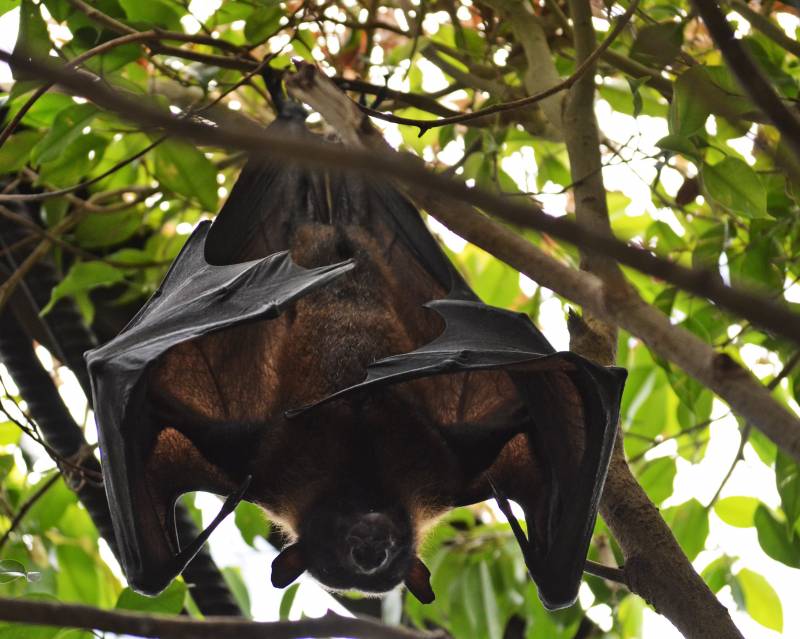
(346, 546)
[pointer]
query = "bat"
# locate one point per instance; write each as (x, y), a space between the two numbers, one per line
(313, 351)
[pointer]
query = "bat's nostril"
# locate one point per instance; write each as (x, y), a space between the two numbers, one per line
(368, 556)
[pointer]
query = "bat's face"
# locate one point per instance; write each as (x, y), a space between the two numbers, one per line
(347, 546)
(368, 550)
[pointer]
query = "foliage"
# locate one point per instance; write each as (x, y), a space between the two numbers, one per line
(691, 172)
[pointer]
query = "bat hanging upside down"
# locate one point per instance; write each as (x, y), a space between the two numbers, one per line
(314, 352)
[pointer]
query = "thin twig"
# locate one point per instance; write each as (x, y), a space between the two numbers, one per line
(27, 506)
(425, 125)
(98, 50)
(748, 427)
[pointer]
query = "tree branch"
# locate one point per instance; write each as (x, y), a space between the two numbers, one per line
(69, 338)
(513, 105)
(46, 613)
(749, 76)
(719, 372)
(766, 26)
(692, 607)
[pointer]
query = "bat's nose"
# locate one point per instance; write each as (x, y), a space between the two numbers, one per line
(369, 557)
(372, 543)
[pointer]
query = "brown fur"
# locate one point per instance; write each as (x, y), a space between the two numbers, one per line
(321, 345)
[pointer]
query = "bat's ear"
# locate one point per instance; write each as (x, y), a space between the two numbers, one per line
(418, 581)
(288, 566)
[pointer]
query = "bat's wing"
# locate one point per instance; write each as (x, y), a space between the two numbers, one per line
(196, 299)
(530, 425)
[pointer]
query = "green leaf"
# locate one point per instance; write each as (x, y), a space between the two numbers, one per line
(251, 522)
(233, 577)
(15, 150)
(9, 433)
(152, 13)
(44, 110)
(709, 247)
(494, 620)
(286, 602)
(33, 38)
(76, 523)
(130, 256)
(737, 511)
(98, 231)
(49, 508)
(631, 615)
(183, 169)
(77, 577)
(638, 103)
(689, 523)
(11, 570)
(231, 11)
(765, 448)
(732, 184)
(6, 464)
(83, 277)
(8, 5)
(633, 102)
(169, 602)
(759, 265)
(678, 144)
(667, 240)
(304, 43)
(657, 45)
(75, 161)
(718, 573)
(657, 477)
(787, 478)
(761, 600)
(776, 538)
(687, 113)
(67, 126)
(263, 23)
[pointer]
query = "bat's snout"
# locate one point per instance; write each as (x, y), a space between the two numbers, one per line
(372, 543)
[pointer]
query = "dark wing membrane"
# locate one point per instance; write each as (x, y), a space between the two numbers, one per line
(206, 344)
(556, 413)
(196, 299)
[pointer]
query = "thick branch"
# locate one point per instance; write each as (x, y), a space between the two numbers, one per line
(46, 613)
(583, 147)
(731, 382)
(659, 571)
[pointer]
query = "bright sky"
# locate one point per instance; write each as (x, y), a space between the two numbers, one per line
(700, 481)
